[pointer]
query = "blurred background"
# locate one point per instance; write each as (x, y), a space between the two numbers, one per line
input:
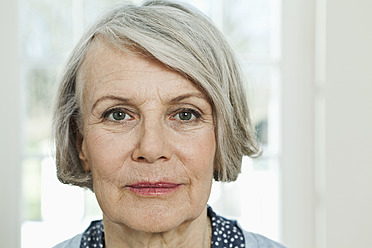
(308, 66)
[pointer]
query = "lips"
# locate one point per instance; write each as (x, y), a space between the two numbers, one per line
(158, 188)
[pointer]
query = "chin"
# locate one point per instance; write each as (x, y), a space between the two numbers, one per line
(152, 219)
(161, 226)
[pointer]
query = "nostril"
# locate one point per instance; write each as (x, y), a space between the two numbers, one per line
(145, 159)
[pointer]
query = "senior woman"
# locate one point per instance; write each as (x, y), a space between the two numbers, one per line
(150, 109)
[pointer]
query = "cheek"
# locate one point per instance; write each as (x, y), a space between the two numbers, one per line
(107, 152)
(201, 147)
(198, 161)
(197, 155)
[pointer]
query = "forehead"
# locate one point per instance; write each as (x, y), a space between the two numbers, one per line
(104, 59)
(107, 69)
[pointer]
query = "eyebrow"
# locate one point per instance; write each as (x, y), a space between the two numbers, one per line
(185, 96)
(110, 97)
(126, 100)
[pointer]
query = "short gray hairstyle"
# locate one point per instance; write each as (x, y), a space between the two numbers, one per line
(183, 39)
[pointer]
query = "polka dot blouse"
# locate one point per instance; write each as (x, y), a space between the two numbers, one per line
(225, 233)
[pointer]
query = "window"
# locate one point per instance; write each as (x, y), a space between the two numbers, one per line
(49, 29)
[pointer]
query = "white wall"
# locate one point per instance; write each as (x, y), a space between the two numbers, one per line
(297, 121)
(9, 126)
(327, 123)
(348, 101)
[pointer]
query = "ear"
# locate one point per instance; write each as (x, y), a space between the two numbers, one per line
(82, 150)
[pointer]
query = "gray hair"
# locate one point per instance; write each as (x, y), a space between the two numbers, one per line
(183, 39)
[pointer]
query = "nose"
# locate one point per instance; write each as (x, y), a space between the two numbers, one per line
(152, 144)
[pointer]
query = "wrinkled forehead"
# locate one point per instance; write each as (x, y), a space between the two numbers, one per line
(107, 69)
(102, 55)
(104, 61)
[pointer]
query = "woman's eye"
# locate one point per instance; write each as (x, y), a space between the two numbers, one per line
(118, 115)
(187, 115)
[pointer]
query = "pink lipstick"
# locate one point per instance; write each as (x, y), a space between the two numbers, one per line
(158, 188)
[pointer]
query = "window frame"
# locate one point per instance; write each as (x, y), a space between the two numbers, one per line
(10, 141)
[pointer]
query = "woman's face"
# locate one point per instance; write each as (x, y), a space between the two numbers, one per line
(148, 139)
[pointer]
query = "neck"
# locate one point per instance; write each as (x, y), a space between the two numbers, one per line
(194, 233)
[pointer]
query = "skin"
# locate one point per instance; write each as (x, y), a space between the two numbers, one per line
(134, 131)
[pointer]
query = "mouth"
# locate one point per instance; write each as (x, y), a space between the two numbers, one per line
(153, 189)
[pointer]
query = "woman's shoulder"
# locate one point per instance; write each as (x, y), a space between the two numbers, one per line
(226, 231)
(258, 241)
(70, 243)
(95, 228)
